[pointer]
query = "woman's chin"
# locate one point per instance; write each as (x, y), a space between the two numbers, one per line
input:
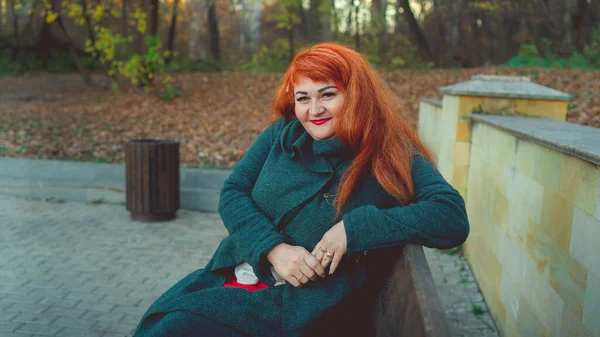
(322, 135)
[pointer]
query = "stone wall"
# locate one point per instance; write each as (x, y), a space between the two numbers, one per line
(532, 189)
(535, 220)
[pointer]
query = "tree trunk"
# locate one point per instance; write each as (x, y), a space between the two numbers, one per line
(455, 24)
(356, 26)
(379, 12)
(579, 26)
(418, 36)
(305, 23)
(124, 19)
(535, 37)
(195, 28)
(213, 29)
(140, 39)
(255, 24)
(154, 8)
(291, 42)
(85, 75)
(331, 23)
(553, 32)
(1, 15)
(88, 21)
(15, 22)
(315, 26)
(171, 38)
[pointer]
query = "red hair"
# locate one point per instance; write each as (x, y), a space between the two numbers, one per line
(370, 122)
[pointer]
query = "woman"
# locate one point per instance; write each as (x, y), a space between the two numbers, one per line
(338, 174)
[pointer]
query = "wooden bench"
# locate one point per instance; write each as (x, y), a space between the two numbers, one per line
(408, 302)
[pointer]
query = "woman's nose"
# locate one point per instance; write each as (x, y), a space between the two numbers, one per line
(317, 109)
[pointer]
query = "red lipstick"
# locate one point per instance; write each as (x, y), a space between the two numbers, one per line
(320, 121)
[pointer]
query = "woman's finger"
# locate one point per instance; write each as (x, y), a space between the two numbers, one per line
(326, 259)
(335, 262)
(308, 272)
(293, 281)
(304, 279)
(316, 249)
(320, 253)
(315, 265)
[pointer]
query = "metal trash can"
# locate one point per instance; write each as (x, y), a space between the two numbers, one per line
(152, 179)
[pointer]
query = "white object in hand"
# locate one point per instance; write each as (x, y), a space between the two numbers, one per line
(245, 275)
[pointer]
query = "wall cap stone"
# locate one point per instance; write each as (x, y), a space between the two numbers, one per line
(432, 101)
(573, 139)
(505, 87)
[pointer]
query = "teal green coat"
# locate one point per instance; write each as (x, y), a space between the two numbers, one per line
(280, 192)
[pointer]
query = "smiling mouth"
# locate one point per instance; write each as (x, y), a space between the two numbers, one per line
(320, 121)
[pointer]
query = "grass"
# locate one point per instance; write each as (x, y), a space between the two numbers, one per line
(477, 310)
(451, 251)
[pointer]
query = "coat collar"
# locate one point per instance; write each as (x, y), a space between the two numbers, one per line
(319, 155)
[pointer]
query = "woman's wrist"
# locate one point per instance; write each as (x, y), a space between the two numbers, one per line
(270, 255)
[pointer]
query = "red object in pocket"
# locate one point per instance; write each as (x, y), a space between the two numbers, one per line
(250, 287)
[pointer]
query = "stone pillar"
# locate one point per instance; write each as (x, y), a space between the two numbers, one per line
(487, 94)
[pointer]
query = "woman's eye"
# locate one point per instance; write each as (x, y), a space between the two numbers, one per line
(302, 99)
(329, 94)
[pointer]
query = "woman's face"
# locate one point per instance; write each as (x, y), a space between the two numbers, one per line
(316, 106)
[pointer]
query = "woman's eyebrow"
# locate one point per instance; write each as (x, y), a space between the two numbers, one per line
(320, 90)
(327, 87)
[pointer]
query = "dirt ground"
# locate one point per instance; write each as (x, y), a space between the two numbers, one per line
(56, 116)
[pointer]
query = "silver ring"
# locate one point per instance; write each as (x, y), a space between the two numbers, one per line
(321, 249)
(328, 255)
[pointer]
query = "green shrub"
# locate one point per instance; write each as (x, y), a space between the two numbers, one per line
(169, 93)
(529, 57)
(592, 51)
(7, 66)
(59, 63)
(269, 59)
(33, 64)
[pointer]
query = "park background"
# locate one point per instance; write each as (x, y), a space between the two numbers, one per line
(81, 77)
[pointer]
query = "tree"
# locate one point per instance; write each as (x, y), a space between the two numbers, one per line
(418, 37)
(287, 20)
(52, 14)
(579, 20)
(171, 37)
(356, 4)
(379, 8)
(1, 14)
(213, 29)
(154, 8)
(15, 22)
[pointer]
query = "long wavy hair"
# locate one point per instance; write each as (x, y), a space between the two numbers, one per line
(370, 122)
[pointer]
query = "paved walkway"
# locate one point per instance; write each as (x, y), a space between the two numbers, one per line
(71, 269)
(466, 311)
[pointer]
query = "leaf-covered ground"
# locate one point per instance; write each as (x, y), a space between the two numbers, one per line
(57, 117)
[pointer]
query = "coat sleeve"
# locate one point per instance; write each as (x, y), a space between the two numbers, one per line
(255, 234)
(436, 217)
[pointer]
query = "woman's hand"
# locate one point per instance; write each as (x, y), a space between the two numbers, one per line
(295, 264)
(332, 247)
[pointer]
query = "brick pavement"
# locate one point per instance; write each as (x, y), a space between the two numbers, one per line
(71, 269)
(75, 269)
(463, 303)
